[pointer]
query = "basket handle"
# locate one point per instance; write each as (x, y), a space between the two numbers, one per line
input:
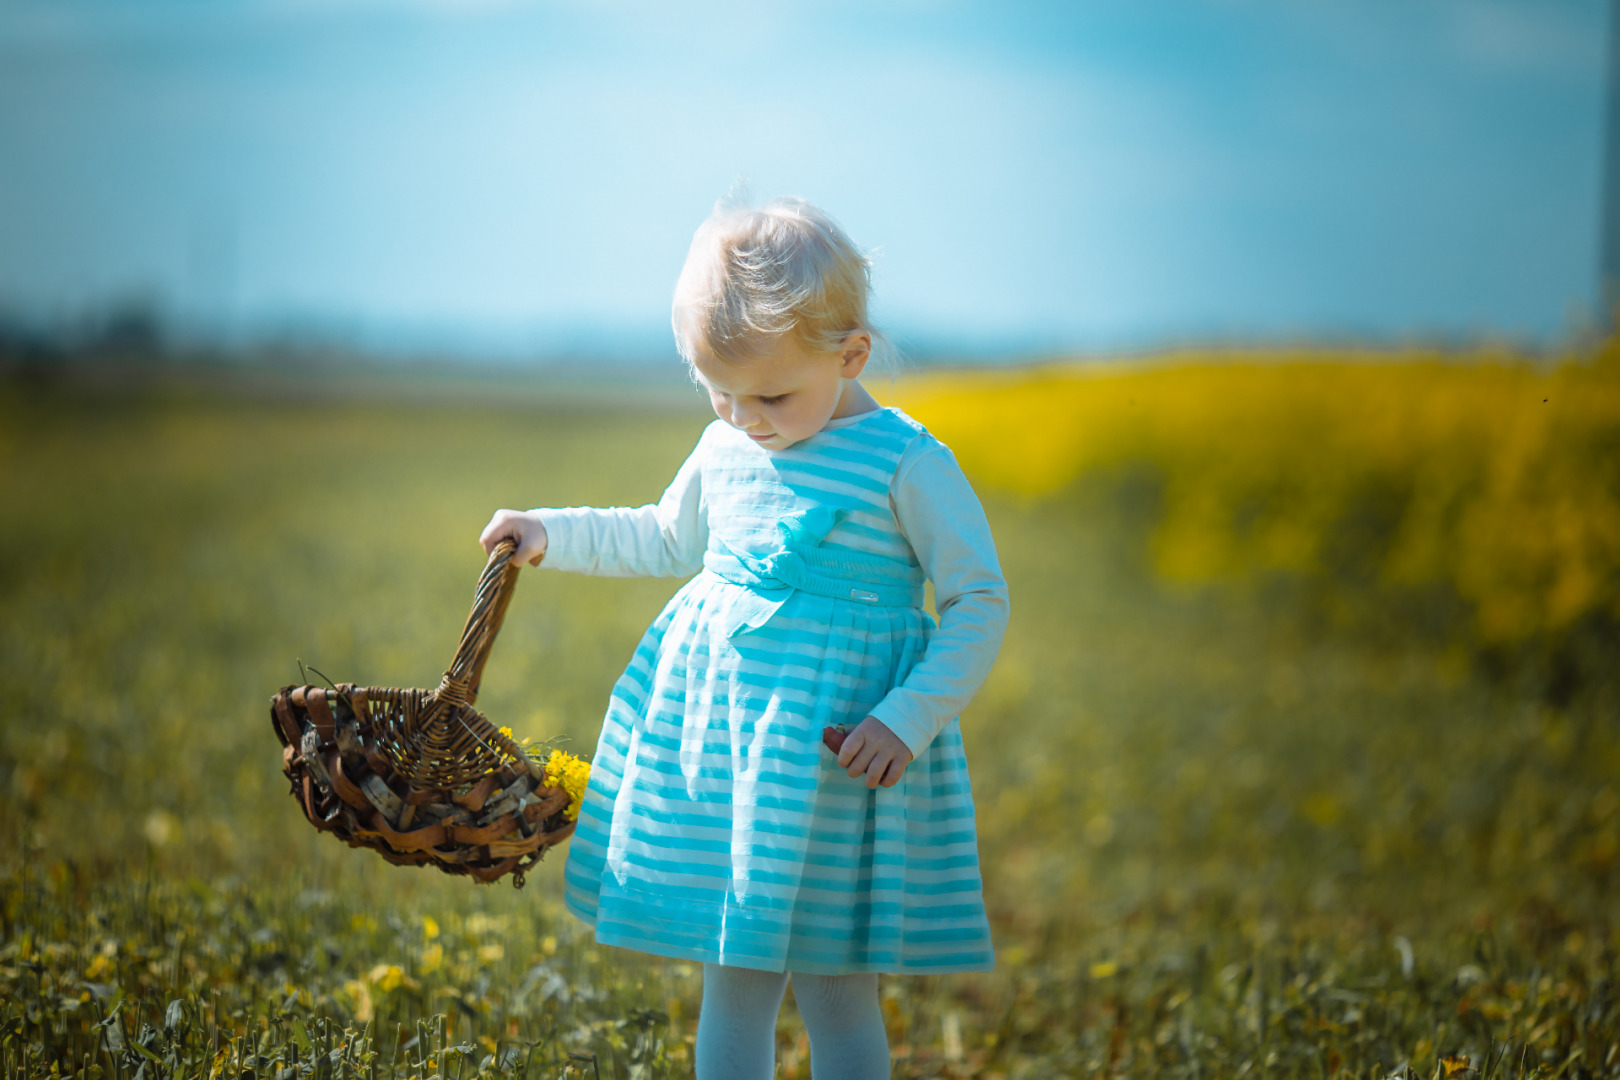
(460, 684)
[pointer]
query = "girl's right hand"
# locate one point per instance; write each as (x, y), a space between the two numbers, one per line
(523, 528)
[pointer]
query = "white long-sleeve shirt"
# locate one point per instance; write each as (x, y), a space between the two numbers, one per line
(936, 510)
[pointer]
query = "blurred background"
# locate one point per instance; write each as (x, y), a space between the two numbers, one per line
(518, 181)
(1276, 339)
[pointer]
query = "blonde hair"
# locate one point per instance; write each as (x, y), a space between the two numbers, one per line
(753, 275)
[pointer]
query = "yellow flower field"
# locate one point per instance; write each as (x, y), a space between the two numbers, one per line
(1300, 759)
(1492, 474)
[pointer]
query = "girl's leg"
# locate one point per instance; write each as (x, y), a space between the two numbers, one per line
(845, 1023)
(736, 1036)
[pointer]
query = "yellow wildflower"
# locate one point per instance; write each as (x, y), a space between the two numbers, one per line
(387, 976)
(570, 773)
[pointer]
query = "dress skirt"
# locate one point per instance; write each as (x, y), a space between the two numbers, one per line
(718, 827)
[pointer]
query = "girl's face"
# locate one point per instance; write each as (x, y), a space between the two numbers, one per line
(784, 393)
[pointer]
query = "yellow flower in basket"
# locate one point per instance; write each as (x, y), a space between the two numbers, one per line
(572, 774)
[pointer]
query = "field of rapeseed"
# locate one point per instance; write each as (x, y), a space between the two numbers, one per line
(1482, 477)
(1301, 758)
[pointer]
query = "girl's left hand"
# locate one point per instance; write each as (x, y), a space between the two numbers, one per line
(876, 751)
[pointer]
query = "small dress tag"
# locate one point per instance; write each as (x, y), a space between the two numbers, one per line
(863, 597)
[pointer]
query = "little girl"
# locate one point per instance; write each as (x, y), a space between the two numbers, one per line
(717, 827)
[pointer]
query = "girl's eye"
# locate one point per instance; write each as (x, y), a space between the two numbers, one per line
(774, 400)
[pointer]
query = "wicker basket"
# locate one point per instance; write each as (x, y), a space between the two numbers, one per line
(420, 776)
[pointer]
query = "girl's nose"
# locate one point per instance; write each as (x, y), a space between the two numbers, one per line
(743, 417)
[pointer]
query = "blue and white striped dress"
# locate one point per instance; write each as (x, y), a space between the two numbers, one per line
(717, 826)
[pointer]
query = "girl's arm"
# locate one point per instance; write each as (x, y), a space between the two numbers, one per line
(662, 539)
(942, 518)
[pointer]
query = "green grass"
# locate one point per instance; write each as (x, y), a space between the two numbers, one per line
(1217, 839)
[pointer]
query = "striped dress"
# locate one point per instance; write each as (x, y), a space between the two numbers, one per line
(717, 826)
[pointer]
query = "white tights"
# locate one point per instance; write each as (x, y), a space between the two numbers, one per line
(736, 1037)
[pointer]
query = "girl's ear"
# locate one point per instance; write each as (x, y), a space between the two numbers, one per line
(854, 353)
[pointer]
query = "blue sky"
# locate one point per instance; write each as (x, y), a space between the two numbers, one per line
(503, 179)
